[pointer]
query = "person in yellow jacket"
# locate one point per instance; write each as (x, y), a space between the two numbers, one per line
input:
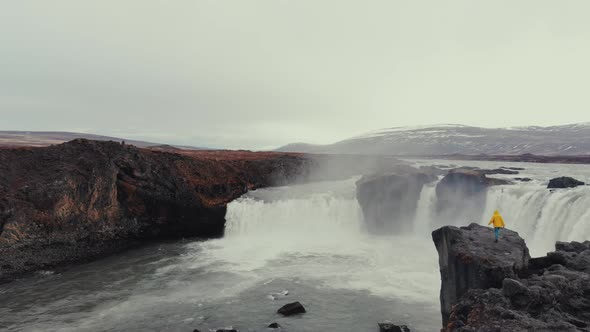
(498, 223)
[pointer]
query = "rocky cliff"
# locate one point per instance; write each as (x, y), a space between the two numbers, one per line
(462, 193)
(489, 286)
(389, 201)
(84, 199)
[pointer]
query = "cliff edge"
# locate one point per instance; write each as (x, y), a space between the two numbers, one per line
(489, 286)
(84, 199)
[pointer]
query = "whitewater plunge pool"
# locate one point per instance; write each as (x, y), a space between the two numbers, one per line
(301, 243)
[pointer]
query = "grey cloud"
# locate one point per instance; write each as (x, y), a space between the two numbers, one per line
(253, 74)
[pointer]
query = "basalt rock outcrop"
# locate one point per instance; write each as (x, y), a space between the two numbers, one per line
(389, 201)
(388, 327)
(469, 259)
(291, 309)
(523, 179)
(489, 286)
(461, 195)
(498, 171)
(513, 168)
(564, 182)
(84, 199)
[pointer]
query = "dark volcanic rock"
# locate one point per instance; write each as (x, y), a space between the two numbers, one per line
(387, 327)
(480, 171)
(469, 259)
(85, 199)
(574, 246)
(523, 179)
(461, 195)
(564, 182)
(274, 326)
(291, 309)
(549, 293)
(498, 171)
(389, 201)
(513, 168)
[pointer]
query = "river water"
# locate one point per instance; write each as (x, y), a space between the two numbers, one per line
(302, 243)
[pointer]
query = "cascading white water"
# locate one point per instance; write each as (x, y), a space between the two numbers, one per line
(541, 216)
(306, 239)
(321, 214)
(316, 232)
(425, 210)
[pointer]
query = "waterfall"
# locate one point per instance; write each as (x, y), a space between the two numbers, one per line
(541, 216)
(316, 232)
(330, 211)
(321, 213)
(425, 210)
(326, 209)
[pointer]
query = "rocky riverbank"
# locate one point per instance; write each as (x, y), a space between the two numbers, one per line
(85, 199)
(82, 200)
(489, 286)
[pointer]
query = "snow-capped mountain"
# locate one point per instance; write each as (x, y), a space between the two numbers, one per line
(448, 139)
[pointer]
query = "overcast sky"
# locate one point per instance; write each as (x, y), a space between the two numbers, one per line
(259, 74)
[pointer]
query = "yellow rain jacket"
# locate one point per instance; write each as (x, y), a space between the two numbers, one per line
(497, 220)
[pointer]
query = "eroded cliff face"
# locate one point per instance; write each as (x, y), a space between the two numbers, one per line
(389, 201)
(84, 199)
(470, 259)
(461, 194)
(489, 286)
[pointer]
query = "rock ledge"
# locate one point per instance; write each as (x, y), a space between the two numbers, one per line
(489, 286)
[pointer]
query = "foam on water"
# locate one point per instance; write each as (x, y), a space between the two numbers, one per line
(321, 238)
(308, 240)
(317, 232)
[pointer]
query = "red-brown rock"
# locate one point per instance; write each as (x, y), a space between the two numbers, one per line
(83, 199)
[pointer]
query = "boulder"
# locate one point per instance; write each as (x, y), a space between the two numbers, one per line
(388, 327)
(557, 300)
(498, 171)
(513, 168)
(291, 309)
(550, 293)
(511, 287)
(274, 326)
(573, 246)
(523, 179)
(389, 201)
(564, 182)
(470, 259)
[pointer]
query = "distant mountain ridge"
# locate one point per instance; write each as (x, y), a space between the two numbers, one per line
(46, 138)
(448, 139)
